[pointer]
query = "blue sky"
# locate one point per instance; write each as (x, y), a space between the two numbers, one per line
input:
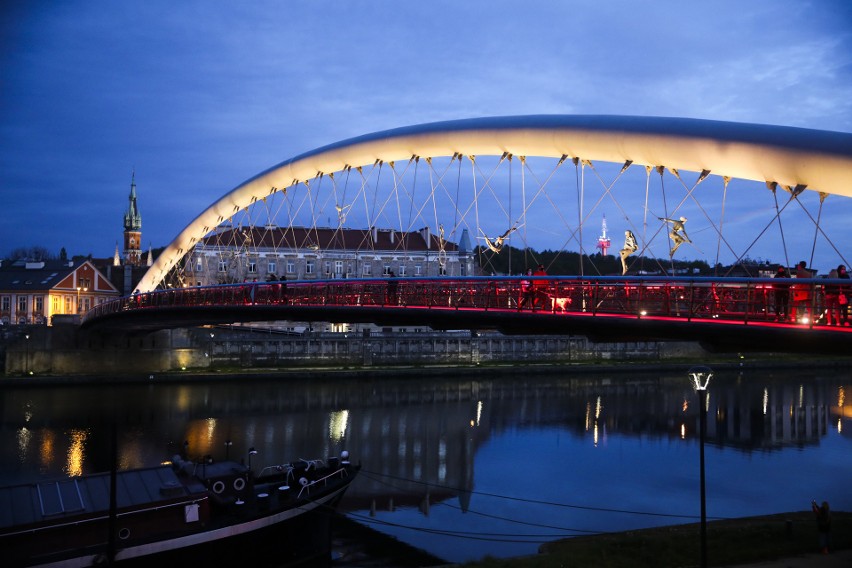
(199, 96)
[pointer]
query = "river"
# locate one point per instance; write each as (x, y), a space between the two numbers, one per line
(465, 468)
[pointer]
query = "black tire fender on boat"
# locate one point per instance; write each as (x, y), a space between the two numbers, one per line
(239, 484)
(218, 487)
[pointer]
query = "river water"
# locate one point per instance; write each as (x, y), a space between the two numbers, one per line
(462, 468)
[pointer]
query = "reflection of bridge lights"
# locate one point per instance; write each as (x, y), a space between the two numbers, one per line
(183, 399)
(479, 406)
(839, 426)
(841, 397)
(765, 401)
(801, 396)
(76, 453)
(685, 405)
(588, 416)
(24, 437)
(683, 431)
(337, 423)
(595, 434)
(46, 449)
(211, 429)
(598, 408)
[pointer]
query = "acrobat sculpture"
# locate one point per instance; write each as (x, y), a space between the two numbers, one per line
(678, 233)
(630, 247)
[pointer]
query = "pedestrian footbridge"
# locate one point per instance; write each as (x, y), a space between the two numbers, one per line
(731, 314)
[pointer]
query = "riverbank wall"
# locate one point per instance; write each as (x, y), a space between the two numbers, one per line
(65, 350)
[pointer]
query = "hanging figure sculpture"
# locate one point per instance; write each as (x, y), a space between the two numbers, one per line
(677, 234)
(630, 247)
(496, 245)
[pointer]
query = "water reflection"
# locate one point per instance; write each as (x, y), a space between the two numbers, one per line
(490, 466)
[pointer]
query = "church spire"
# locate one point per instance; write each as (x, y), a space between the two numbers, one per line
(132, 228)
(132, 218)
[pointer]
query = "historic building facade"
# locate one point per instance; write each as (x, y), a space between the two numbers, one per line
(37, 292)
(233, 255)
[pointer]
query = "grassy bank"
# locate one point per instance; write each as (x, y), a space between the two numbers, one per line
(729, 542)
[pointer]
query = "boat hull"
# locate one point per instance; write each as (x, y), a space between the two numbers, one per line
(280, 529)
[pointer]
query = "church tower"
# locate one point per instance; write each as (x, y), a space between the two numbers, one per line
(132, 229)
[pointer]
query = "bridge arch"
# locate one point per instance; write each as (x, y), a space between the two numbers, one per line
(794, 158)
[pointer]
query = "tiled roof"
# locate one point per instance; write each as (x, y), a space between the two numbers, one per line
(39, 276)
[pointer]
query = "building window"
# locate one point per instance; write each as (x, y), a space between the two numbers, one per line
(386, 270)
(57, 305)
(368, 270)
(199, 264)
(271, 268)
(338, 267)
(38, 305)
(223, 266)
(22, 304)
(252, 266)
(69, 304)
(418, 270)
(401, 270)
(291, 267)
(327, 268)
(6, 304)
(309, 267)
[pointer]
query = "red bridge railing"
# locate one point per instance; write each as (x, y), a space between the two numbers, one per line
(739, 300)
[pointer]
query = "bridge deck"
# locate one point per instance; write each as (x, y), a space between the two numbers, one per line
(730, 313)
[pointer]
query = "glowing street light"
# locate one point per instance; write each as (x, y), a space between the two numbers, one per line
(700, 380)
(79, 289)
(27, 359)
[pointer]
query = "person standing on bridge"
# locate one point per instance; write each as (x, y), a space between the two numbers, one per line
(843, 297)
(527, 291)
(677, 234)
(782, 296)
(802, 294)
(393, 298)
(540, 286)
(831, 296)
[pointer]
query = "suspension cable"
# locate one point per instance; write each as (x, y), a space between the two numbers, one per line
(819, 228)
(772, 187)
(725, 180)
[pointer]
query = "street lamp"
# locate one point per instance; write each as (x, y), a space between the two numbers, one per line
(700, 379)
(27, 358)
(251, 452)
(80, 288)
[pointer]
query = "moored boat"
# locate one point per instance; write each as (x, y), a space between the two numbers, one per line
(182, 510)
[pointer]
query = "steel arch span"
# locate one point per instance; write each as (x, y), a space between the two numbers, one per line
(795, 159)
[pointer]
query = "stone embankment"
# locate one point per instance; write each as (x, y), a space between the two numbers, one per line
(61, 350)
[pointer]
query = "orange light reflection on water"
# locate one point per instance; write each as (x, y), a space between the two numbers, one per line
(76, 452)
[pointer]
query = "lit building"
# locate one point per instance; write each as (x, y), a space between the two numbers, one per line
(37, 292)
(297, 253)
(132, 229)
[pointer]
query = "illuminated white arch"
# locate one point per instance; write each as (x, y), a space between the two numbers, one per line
(791, 157)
